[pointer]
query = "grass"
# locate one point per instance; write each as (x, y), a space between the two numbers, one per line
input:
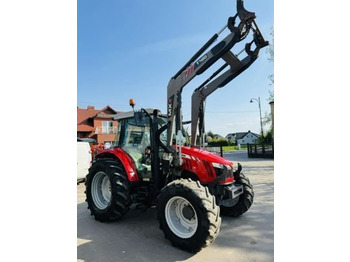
(232, 148)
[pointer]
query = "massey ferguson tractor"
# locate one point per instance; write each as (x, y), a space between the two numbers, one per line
(153, 165)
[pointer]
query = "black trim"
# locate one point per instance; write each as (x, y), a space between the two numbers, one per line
(218, 47)
(221, 52)
(238, 171)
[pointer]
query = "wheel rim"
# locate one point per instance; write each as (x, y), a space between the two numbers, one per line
(181, 217)
(101, 190)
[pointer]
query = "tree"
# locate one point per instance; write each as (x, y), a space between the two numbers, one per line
(271, 53)
(267, 119)
(210, 134)
(267, 138)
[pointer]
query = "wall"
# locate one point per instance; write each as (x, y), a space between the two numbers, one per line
(101, 138)
(247, 139)
(105, 137)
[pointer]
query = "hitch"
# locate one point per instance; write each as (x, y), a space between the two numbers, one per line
(243, 14)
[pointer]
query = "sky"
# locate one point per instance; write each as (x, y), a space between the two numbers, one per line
(131, 49)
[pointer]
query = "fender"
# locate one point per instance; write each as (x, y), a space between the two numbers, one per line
(124, 158)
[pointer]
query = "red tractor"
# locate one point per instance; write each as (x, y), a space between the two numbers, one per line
(152, 165)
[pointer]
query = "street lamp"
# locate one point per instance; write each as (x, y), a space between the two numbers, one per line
(258, 100)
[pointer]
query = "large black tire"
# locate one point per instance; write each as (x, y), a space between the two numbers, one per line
(107, 190)
(192, 204)
(245, 200)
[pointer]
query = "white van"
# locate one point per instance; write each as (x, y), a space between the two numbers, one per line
(84, 160)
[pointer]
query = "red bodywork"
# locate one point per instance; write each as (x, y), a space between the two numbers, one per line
(195, 160)
(128, 163)
(200, 162)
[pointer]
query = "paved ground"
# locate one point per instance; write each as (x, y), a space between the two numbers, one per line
(138, 238)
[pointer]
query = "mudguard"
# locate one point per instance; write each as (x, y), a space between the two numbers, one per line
(124, 158)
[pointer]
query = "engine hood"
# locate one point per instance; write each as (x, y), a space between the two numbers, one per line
(190, 152)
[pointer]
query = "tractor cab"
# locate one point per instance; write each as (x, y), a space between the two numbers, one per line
(134, 137)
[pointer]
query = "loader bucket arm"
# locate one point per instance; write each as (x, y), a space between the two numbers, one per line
(209, 86)
(200, 62)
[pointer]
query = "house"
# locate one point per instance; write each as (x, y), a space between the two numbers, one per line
(97, 124)
(243, 138)
(230, 136)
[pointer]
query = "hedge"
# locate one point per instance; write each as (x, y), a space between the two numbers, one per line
(218, 142)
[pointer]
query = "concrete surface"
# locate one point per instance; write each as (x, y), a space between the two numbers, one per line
(137, 236)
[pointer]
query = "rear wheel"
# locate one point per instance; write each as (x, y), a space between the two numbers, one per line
(239, 205)
(188, 215)
(107, 190)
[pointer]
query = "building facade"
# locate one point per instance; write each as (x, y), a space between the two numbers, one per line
(243, 138)
(97, 124)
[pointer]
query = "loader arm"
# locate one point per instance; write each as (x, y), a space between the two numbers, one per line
(200, 62)
(199, 95)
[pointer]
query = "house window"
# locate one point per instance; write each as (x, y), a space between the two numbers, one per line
(107, 127)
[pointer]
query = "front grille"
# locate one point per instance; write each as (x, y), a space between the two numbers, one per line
(218, 171)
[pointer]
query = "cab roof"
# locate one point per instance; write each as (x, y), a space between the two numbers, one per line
(130, 114)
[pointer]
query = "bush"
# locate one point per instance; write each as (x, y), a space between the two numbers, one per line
(267, 138)
(231, 142)
(218, 142)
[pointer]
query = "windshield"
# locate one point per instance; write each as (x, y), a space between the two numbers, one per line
(129, 134)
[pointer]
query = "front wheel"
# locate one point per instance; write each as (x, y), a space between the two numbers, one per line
(239, 205)
(188, 215)
(107, 190)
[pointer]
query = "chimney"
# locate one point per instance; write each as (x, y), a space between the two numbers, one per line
(90, 108)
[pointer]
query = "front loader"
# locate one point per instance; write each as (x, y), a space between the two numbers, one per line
(152, 165)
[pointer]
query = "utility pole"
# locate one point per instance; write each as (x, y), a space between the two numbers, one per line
(261, 126)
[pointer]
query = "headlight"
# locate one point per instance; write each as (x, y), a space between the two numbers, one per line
(221, 166)
(217, 165)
